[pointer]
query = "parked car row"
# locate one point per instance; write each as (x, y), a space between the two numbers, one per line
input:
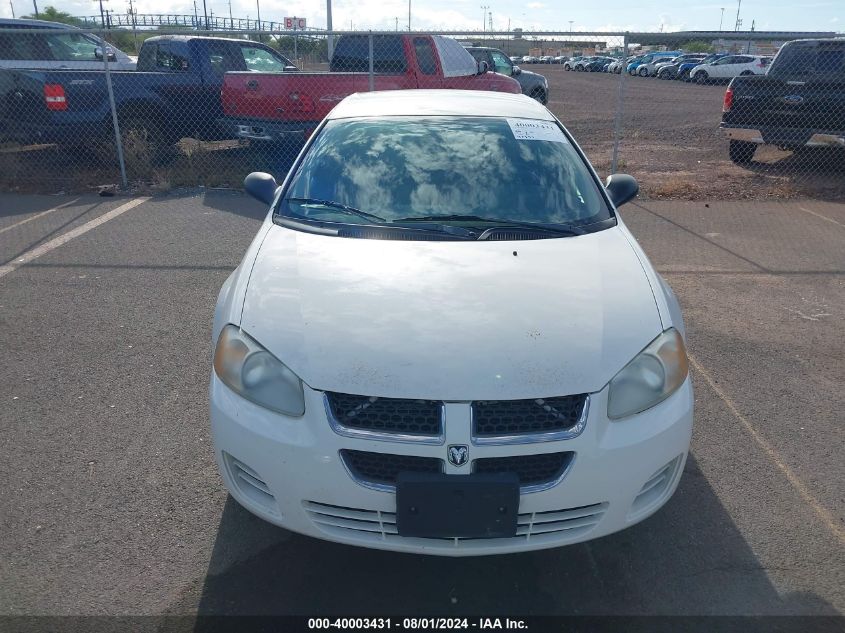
(545, 59)
(701, 68)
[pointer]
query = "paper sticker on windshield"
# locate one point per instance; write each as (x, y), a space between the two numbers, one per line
(533, 130)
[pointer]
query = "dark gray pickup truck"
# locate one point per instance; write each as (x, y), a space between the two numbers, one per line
(799, 102)
(534, 85)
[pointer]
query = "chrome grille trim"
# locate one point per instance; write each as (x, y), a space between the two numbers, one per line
(531, 438)
(366, 434)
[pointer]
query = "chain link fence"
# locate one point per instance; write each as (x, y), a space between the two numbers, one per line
(692, 115)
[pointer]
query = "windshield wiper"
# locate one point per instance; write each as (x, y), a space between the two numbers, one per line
(340, 207)
(560, 229)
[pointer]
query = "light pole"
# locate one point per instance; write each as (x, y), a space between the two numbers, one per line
(329, 39)
(484, 8)
(721, 19)
(12, 7)
(409, 15)
(738, 21)
(258, 14)
(35, 4)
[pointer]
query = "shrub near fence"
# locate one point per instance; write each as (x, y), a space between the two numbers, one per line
(212, 107)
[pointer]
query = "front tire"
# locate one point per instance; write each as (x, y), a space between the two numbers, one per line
(701, 77)
(643, 72)
(741, 152)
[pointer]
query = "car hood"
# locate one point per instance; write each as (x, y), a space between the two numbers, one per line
(451, 320)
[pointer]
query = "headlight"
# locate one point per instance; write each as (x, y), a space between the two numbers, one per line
(254, 373)
(653, 375)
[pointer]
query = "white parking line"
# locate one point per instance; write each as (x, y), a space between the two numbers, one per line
(823, 513)
(38, 251)
(819, 215)
(38, 215)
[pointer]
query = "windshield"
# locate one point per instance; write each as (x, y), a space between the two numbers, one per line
(401, 168)
(812, 58)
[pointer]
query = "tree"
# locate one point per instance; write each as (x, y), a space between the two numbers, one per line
(697, 47)
(54, 15)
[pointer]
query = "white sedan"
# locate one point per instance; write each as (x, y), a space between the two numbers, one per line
(730, 66)
(416, 355)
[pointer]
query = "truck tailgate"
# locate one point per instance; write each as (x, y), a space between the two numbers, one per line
(296, 96)
(773, 103)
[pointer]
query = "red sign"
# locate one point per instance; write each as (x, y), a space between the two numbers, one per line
(295, 23)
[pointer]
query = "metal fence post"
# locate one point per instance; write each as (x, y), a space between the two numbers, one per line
(620, 106)
(117, 138)
(370, 58)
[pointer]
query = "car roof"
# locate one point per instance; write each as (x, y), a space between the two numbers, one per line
(21, 22)
(439, 103)
(187, 38)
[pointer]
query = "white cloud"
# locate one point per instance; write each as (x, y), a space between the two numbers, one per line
(535, 5)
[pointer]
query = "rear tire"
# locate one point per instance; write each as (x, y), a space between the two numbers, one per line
(701, 77)
(741, 152)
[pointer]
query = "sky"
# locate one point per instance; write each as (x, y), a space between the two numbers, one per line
(613, 15)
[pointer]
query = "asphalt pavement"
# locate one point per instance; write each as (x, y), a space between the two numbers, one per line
(112, 503)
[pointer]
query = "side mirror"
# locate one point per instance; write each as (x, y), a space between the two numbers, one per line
(483, 67)
(516, 70)
(261, 186)
(290, 69)
(621, 188)
(98, 53)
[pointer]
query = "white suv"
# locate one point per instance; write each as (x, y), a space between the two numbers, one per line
(730, 66)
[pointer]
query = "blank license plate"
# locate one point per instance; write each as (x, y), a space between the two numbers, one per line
(435, 505)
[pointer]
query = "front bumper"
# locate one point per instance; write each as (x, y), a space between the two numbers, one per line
(282, 132)
(288, 471)
(785, 137)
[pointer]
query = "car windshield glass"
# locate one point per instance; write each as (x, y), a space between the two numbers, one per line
(400, 168)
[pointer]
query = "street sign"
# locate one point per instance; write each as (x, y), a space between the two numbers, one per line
(295, 23)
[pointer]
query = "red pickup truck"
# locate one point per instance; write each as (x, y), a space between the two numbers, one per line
(275, 106)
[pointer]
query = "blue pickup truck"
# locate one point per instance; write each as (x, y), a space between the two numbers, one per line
(173, 93)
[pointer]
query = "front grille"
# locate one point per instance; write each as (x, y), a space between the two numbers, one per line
(552, 527)
(386, 415)
(383, 468)
(493, 418)
(532, 470)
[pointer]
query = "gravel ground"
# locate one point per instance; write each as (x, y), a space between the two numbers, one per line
(671, 142)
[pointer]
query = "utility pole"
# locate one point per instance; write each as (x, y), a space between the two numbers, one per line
(134, 25)
(102, 13)
(35, 4)
(484, 8)
(12, 7)
(738, 21)
(258, 13)
(330, 38)
(721, 19)
(231, 19)
(196, 17)
(205, 14)
(397, 23)
(409, 15)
